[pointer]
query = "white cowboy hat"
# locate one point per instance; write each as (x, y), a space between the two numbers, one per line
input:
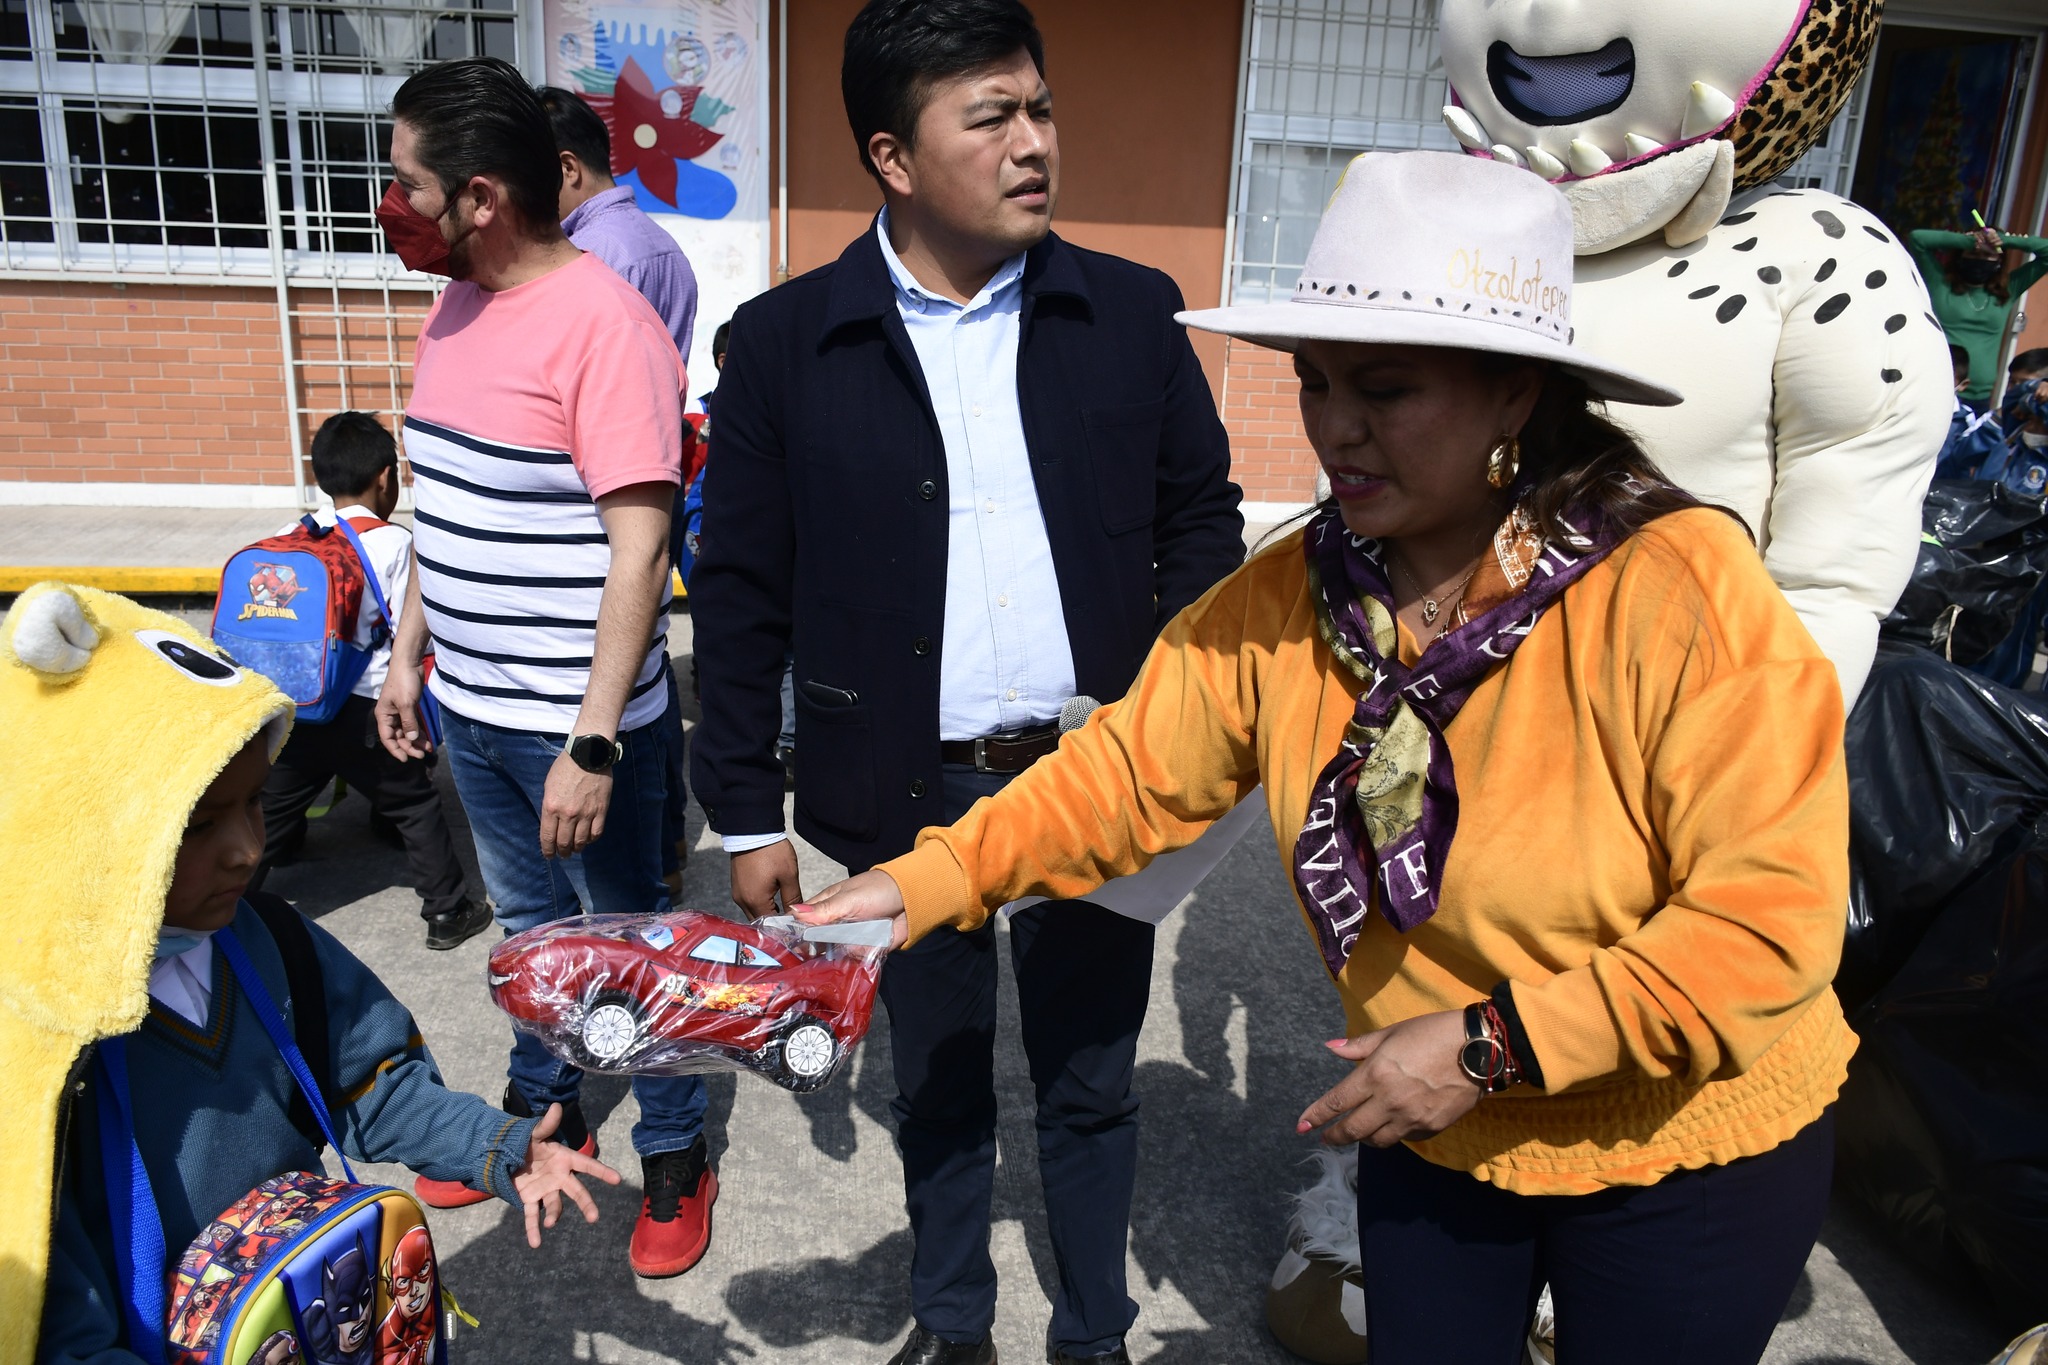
(1437, 249)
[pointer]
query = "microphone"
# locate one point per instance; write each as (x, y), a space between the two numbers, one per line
(1074, 714)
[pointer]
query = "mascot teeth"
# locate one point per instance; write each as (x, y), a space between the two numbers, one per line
(1465, 128)
(1638, 145)
(1546, 165)
(1587, 159)
(1705, 110)
(1503, 152)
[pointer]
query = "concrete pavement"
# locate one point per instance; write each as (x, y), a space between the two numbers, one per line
(809, 1257)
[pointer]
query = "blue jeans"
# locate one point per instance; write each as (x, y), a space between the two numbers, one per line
(502, 776)
(676, 799)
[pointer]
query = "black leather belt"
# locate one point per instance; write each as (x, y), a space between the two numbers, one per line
(1002, 753)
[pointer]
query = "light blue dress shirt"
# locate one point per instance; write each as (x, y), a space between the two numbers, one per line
(1006, 664)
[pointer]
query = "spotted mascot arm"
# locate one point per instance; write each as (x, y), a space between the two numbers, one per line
(1860, 406)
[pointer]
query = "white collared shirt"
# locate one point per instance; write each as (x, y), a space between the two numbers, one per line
(1006, 663)
(388, 547)
(184, 984)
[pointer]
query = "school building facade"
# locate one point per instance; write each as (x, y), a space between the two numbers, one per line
(191, 280)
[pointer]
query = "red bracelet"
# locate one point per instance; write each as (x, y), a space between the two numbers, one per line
(1511, 1067)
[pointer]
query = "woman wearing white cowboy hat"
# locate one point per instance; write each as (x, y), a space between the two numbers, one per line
(1559, 777)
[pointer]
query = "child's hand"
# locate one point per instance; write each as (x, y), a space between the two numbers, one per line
(550, 1173)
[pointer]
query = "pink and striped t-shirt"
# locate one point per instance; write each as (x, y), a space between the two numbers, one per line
(528, 404)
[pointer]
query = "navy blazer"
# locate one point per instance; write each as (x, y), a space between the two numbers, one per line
(825, 511)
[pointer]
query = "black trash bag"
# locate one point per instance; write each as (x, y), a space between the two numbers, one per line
(1983, 549)
(1942, 1127)
(1948, 772)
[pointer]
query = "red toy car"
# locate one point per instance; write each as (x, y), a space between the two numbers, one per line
(686, 992)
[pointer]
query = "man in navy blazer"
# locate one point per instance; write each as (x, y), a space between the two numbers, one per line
(967, 471)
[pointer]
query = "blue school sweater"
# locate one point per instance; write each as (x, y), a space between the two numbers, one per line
(213, 1121)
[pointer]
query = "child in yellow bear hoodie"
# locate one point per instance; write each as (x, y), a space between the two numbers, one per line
(129, 826)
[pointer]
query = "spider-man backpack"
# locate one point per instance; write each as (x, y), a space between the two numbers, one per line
(287, 609)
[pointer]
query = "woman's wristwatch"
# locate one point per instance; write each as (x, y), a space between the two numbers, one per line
(1485, 1055)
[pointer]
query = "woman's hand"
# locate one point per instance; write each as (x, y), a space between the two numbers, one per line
(871, 895)
(1407, 1084)
(550, 1173)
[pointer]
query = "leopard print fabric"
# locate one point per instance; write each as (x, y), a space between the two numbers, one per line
(1794, 106)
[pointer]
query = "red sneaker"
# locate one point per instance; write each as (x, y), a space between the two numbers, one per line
(674, 1227)
(453, 1194)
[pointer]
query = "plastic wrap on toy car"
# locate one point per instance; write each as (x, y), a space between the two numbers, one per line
(686, 992)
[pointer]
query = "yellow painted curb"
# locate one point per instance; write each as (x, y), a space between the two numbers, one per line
(127, 578)
(130, 578)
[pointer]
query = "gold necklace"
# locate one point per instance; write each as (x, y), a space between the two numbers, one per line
(1432, 607)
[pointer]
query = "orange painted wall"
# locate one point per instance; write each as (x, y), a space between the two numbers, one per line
(1144, 95)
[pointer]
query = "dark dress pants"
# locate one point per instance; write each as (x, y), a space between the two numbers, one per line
(1084, 975)
(403, 793)
(1693, 1270)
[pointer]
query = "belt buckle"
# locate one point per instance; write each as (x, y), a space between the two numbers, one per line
(981, 754)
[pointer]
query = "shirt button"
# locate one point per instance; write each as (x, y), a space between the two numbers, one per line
(1011, 695)
(991, 505)
(1003, 601)
(917, 786)
(927, 490)
(977, 409)
(921, 646)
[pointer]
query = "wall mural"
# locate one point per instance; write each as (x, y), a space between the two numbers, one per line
(683, 86)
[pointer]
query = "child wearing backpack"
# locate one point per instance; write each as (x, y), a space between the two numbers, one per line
(355, 462)
(176, 1053)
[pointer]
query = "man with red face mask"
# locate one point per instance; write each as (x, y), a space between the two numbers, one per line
(544, 430)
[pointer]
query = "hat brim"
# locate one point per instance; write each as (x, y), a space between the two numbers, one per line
(1284, 325)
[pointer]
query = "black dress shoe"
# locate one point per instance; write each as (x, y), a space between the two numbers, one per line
(924, 1348)
(1055, 1356)
(451, 928)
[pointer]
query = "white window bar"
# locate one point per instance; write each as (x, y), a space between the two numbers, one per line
(1324, 81)
(1830, 163)
(239, 143)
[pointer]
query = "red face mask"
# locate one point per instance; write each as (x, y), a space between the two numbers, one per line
(415, 237)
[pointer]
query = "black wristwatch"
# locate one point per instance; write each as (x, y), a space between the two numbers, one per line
(1484, 1056)
(595, 753)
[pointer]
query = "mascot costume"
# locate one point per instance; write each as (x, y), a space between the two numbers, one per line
(1817, 381)
(121, 719)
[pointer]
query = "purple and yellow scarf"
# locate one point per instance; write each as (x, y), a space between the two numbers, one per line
(1385, 808)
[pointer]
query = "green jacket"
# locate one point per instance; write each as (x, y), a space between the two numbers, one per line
(1973, 318)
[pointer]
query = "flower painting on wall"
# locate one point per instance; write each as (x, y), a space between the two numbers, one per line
(677, 83)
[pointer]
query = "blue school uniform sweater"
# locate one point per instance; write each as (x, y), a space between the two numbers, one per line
(213, 1120)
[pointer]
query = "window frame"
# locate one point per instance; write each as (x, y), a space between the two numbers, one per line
(286, 93)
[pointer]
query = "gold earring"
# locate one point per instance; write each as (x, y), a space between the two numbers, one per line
(1505, 462)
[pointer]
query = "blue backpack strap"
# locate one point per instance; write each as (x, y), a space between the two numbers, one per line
(272, 1019)
(131, 1205)
(390, 626)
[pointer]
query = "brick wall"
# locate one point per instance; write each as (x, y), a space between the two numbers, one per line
(1270, 458)
(184, 384)
(108, 383)
(140, 384)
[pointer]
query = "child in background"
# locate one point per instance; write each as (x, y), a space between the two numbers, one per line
(124, 884)
(355, 462)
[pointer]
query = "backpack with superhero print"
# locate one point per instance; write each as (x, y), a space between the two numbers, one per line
(302, 1270)
(288, 606)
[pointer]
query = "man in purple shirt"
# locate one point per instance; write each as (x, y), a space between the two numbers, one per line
(599, 215)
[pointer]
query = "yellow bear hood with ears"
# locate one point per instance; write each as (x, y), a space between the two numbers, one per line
(117, 719)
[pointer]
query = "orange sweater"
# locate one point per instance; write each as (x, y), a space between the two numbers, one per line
(1652, 845)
